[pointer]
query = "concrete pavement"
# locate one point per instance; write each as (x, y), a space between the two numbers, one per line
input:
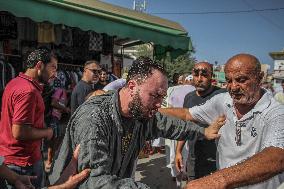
(153, 172)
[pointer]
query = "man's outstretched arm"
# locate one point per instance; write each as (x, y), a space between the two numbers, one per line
(258, 168)
(177, 129)
(181, 113)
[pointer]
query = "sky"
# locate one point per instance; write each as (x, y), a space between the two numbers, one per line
(217, 37)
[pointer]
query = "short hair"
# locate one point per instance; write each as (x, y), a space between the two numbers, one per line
(175, 78)
(103, 70)
(37, 55)
(90, 62)
(143, 67)
(282, 82)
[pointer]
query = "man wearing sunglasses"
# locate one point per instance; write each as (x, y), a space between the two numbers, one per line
(85, 85)
(201, 159)
(251, 145)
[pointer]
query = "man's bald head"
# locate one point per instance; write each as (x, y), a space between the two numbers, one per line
(204, 64)
(244, 61)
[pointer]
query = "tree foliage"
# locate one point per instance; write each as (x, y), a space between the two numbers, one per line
(144, 50)
(182, 64)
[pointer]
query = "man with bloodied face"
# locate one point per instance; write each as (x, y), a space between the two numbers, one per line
(250, 149)
(112, 128)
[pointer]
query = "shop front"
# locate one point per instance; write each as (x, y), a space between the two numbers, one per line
(79, 31)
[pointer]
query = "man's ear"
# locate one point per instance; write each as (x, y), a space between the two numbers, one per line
(132, 86)
(39, 65)
(260, 76)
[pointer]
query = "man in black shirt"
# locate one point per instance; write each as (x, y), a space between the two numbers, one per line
(85, 85)
(202, 153)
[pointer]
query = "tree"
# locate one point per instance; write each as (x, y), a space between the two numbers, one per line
(181, 65)
(144, 50)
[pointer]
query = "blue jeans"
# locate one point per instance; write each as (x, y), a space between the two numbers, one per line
(33, 170)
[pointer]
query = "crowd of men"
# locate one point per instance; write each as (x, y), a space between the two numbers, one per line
(106, 132)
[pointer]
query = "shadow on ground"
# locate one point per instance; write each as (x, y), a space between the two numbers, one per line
(153, 172)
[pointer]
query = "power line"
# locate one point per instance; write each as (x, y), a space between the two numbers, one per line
(223, 12)
(267, 19)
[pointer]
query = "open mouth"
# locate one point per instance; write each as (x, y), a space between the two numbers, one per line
(237, 95)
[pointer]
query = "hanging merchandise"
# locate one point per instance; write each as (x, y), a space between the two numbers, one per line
(8, 26)
(108, 42)
(2, 71)
(27, 29)
(106, 62)
(58, 34)
(46, 33)
(67, 38)
(96, 41)
(80, 45)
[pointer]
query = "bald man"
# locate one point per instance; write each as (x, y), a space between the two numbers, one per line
(250, 148)
(85, 86)
(201, 159)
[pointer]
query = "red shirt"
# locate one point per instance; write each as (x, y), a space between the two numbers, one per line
(22, 104)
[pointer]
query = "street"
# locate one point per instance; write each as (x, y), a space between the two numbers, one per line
(153, 172)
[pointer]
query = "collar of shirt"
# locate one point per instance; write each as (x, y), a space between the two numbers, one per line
(38, 85)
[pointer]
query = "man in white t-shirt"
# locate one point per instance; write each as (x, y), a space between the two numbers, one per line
(251, 143)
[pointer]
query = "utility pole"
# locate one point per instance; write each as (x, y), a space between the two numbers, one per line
(140, 5)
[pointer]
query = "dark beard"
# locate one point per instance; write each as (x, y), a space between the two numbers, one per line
(136, 108)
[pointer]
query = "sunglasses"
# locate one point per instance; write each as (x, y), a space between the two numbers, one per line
(200, 71)
(95, 71)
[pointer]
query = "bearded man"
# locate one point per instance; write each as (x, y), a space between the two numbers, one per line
(112, 128)
(22, 117)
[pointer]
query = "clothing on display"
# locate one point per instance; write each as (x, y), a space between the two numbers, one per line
(27, 29)
(108, 42)
(96, 41)
(46, 33)
(106, 62)
(8, 26)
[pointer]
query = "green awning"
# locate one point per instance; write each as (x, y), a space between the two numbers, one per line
(102, 18)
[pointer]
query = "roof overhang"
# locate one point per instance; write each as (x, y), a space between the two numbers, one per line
(102, 18)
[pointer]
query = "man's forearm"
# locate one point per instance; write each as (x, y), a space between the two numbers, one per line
(181, 113)
(256, 169)
(180, 146)
(26, 132)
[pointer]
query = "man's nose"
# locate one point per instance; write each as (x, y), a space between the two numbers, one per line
(199, 78)
(234, 85)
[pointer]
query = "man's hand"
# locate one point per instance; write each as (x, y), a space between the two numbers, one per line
(69, 178)
(179, 162)
(49, 133)
(211, 132)
(24, 182)
(73, 180)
